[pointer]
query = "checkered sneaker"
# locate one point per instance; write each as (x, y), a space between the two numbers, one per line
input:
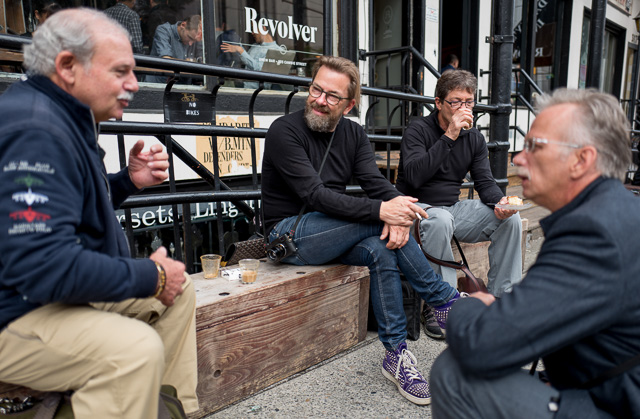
(399, 366)
(441, 313)
(430, 324)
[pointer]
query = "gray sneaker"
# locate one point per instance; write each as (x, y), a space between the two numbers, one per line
(430, 324)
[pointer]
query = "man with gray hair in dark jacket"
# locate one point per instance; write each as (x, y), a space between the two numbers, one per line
(578, 307)
(76, 311)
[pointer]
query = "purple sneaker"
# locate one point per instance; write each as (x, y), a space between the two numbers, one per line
(399, 366)
(442, 312)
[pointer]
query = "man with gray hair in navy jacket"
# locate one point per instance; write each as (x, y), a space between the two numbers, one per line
(578, 307)
(76, 311)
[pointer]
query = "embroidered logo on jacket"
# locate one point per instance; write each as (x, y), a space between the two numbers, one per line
(30, 220)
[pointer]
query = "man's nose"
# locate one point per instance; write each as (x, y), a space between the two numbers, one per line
(131, 84)
(519, 159)
(322, 99)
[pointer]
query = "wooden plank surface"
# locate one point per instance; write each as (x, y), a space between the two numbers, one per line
(220, 300)
(246, 354)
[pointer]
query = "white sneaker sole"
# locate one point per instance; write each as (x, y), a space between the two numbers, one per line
(417, 400)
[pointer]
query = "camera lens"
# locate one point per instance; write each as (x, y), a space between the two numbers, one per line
(276, 252)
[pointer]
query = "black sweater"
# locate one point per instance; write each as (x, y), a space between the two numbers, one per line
(432, 166)
(292, 156)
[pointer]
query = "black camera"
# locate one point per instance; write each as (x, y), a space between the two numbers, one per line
(281, 247)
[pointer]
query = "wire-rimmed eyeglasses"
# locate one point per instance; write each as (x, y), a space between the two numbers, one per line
(455, 104)
(331, 98)
(530, 143)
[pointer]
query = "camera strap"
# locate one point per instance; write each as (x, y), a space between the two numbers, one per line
(324, 159)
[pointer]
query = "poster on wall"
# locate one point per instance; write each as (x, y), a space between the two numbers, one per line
(234, 153)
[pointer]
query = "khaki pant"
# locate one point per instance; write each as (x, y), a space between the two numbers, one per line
(114, 356)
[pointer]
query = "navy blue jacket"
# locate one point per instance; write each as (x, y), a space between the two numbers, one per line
(59, 238)
(578, 307)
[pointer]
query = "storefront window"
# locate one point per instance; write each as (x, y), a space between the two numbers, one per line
(544, 67)
(276, 36)
(611, 67)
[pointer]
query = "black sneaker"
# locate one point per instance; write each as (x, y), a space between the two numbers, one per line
(430, 324)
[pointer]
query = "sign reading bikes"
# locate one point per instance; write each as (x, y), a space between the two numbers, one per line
(280, 28)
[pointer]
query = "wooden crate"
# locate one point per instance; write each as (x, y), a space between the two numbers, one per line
(293, 317)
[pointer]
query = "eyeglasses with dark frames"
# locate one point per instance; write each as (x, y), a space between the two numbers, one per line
(455, 104)
(531, 142)
(331, 98)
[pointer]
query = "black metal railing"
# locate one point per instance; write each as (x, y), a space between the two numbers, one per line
(217, 190)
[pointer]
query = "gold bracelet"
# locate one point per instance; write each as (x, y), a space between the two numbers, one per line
(162, 280)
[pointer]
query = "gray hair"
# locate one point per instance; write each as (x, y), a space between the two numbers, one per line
(599, 122)
(72, 30)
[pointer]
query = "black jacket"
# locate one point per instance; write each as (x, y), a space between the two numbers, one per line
(290, 164)
(432, 166)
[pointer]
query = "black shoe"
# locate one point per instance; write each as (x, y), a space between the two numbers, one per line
(430, 324)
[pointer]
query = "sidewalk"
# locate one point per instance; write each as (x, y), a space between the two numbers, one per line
(349, 385)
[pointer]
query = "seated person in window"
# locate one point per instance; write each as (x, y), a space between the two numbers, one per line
(226, 36)
(178, 41)
(253, 59)
(124, 14)
(159, 13)
(43, 9)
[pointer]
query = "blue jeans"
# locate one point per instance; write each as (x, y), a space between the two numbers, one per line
(321, 239)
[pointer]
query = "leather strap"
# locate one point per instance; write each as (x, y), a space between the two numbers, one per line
(477, 284)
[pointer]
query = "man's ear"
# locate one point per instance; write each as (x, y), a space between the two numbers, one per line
(583, 162)
(438, 104)
(352, 103)
(67, 67)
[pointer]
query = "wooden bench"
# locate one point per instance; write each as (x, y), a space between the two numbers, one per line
(293, 317)
(252, 336)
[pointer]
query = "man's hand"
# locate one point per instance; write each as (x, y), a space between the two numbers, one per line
(148, 168)
(175, 276)
(398, 236)
(231, 48)
(486, 298)
(461, 119)
(502, 214)
(401, 211)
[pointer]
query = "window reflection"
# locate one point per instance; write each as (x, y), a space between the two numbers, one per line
(276, 36)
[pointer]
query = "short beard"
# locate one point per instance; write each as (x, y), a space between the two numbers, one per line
(320, 123)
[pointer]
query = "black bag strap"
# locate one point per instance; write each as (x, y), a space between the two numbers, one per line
(304, 207)
(625, 366)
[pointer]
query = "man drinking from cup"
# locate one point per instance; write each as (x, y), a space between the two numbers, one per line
(437, 152)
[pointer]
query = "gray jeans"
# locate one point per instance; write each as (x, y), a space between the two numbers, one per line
(518, 395)
(472, 222)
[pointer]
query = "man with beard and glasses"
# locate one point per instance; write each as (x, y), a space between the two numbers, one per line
(77, 312)
(368, 231)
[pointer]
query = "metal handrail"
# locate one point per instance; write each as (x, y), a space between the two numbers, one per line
(165, 131)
